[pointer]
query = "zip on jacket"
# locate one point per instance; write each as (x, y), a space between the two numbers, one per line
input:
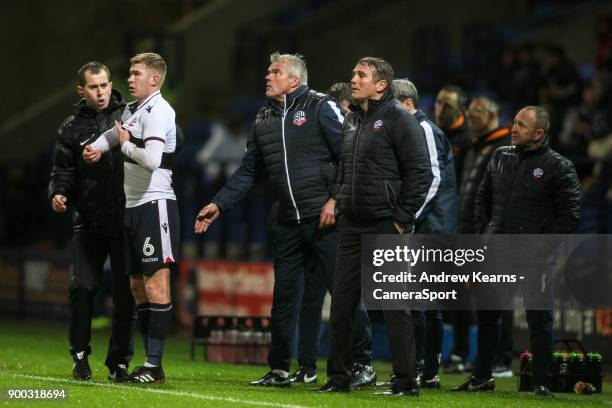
(354, 163)
(285, 109)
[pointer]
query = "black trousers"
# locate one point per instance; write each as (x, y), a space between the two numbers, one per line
(317, 283)
(542, 338)
(346, 298)
(461, 321)
(428, 336)
(304, 257)
(503, 354)
(90, 252)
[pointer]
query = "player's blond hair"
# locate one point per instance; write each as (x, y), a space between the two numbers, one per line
(151, 61)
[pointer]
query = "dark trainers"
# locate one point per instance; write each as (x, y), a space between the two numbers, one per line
(304, 375)
(396, 391)
(455, 365)
(433, 382)
(362, 376)
(272, 379)
(332, 387)
(119, 373)
(542, 391)
(80, 366)
(472, 384)
(147, 375)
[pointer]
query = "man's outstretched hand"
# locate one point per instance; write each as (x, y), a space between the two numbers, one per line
(206, 216)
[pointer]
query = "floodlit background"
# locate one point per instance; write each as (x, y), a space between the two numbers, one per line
(521, 52)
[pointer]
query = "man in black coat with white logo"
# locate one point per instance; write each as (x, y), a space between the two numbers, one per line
(383, 181)
(296, 139)
(527, 188)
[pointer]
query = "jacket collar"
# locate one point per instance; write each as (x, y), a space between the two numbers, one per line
(374, 104)
(543, 147)
(289, 98)
(489, 137)
(420, 116)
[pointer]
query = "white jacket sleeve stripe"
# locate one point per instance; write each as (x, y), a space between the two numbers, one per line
(435, 165)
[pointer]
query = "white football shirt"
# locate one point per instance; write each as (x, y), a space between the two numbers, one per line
(152, 124)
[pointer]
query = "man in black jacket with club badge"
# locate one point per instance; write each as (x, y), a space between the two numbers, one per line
(383, 181)
(527, 188)
(296, 139)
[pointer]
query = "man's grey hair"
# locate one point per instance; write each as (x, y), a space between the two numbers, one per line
(404, 89)
(296, 65)
(542, 119)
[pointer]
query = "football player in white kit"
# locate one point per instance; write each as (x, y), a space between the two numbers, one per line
(148, 142)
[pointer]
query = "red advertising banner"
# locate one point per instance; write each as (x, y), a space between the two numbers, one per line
(234, 288)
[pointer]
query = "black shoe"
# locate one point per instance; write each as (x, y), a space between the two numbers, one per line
(272, 379)
(396, 391)
(542, 391)
(362, 376)
(433, 382)
(119, 373)
(147, 375)
(455, 365)
(304, 375)
(80, 366)
(332, 387)
(472, 384)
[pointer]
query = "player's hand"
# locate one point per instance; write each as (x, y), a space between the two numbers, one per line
(400, 228)
(124, 135)
(328, 218)
(205, 217)
(91, 155)
(58, 203)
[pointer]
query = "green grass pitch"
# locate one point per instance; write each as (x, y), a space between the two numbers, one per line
(34, 355)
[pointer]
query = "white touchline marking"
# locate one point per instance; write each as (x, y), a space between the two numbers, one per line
(159, 391)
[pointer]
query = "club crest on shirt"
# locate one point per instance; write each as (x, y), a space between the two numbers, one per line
(538, 173)
(299, 118)
(377, 125)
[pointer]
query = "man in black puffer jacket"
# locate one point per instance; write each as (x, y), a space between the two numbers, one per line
(296, 138)
(96, 195)
(527, 189)
(383, 181)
